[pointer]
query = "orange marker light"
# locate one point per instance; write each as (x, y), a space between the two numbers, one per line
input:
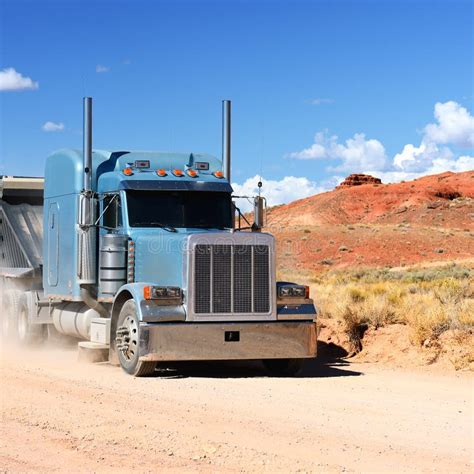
(178, 173)
(161, 173)
(192, 173)
(306, 295)
(218, 174)
(147, 292)
(128, 172)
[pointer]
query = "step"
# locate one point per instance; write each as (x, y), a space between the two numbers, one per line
(92, 352)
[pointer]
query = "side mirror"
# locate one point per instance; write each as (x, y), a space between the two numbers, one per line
(259, 205)
(86, 212)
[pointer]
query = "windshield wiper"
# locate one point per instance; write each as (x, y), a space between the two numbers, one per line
(169, 228)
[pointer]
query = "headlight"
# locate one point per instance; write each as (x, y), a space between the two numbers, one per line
(299, 291)
(286, 291)
(293, 291)
(161, 292)
(173, 292)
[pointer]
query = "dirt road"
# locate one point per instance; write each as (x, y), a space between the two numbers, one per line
(59, 415)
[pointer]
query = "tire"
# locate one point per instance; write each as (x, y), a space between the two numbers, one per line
(11, 308)
(27, 334)
(15, 322)
(283, 367)
(126, 343)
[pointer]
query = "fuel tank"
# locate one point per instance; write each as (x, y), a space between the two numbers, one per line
(74, 319)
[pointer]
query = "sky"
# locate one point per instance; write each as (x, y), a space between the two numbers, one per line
(319, 89)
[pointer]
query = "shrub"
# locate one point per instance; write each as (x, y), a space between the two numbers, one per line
(379, 311)
(429, 301)
(357, 294)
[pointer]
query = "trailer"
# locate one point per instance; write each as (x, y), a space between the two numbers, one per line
(138, 255)
(21, 252)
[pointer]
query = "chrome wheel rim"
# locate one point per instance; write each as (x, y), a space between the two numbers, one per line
(127, 338)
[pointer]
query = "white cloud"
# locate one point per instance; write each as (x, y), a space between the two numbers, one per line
(11, 80)
(356, 155)
(283, 191)
(321, 101)
(101, 68)
(463, 163)
(52, 127)
(421, 158)
(438, 165)
(455, 125)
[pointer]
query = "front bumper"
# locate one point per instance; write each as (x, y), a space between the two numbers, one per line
(227, 341)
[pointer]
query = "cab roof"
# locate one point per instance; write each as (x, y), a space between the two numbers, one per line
(64, 171)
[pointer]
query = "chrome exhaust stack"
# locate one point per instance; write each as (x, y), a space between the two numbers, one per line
(226, 138)
(87, 144)
(86, 264)
(87, 214)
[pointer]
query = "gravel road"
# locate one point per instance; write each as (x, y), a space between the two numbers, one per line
(61, 415)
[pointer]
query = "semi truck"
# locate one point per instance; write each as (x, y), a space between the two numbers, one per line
(141, 257)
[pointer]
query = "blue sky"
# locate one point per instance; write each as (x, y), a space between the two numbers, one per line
(370, 72)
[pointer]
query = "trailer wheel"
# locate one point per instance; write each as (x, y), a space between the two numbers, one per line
(126, 342)
(26, 333)
(283, 367)
(11, 308)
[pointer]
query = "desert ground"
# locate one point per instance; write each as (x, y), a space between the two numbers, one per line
(62, 415)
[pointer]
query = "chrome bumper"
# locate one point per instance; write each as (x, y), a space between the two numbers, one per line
(227, 341)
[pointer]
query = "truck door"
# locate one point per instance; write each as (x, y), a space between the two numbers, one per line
(53, 243)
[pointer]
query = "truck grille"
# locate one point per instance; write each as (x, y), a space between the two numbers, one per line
(231, 279)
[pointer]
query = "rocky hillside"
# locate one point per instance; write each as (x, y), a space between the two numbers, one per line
(366, 223)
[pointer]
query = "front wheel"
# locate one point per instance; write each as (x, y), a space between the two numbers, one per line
(127, 340)
(283, 367)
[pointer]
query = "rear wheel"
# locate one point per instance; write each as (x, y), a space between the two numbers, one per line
(27, 333)
(11, 308)
(126, 342)
(16, 323)
(283, 367)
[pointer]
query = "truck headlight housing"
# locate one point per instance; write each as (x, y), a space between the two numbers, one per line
(173, 293)
(293, 291)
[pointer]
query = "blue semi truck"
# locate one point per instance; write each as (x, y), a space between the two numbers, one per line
(139, 255)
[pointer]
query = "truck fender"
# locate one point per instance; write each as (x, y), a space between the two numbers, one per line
(148, 311)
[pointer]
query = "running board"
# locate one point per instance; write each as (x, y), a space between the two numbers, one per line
(92, 352)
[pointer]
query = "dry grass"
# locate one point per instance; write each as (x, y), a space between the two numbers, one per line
(428, 301)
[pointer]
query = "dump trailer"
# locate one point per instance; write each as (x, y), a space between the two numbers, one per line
(21, 252)
(140, 257)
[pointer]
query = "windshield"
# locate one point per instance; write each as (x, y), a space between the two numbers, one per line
(212, 210)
